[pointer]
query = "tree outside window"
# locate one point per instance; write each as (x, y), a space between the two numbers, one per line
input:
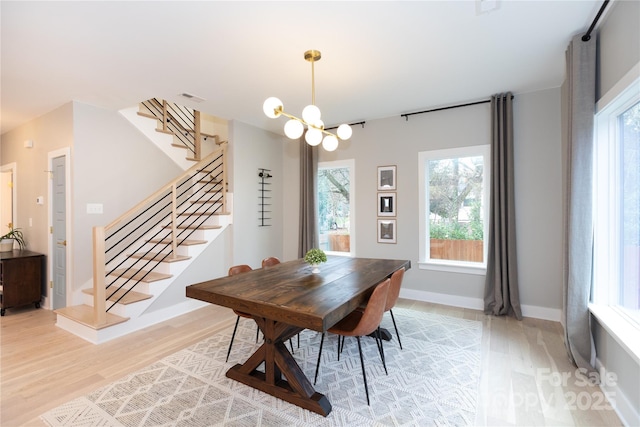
(334, 208)
(454, 195)
(455, 208)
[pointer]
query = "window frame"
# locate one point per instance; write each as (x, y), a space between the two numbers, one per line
(604, 303)
(351, 165)
(425, 262)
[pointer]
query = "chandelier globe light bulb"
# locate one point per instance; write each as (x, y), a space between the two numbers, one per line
(344, 131)
(293, 129)
(311, 114)
(330, 143)
(272, 107)
(313, 136)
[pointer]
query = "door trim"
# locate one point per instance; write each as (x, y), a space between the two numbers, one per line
(13, 168)
(66, 153)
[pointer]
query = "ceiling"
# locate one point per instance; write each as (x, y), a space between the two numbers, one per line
(379, 59)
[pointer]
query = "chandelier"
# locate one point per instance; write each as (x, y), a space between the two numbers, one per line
(294, 127)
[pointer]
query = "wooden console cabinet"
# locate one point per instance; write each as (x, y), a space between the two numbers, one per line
(21, 275)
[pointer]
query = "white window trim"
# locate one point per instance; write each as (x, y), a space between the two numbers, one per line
(351, 164)
(425, 262)
(623, 95)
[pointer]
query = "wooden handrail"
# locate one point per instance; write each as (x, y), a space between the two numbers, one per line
(222, 150)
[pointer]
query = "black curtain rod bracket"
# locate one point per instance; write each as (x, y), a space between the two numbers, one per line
(587, 35)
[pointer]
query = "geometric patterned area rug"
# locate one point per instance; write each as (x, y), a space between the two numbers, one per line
(432, 381)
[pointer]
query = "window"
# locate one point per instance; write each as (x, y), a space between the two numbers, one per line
(454, 195)
(617, 205)
(336, 209)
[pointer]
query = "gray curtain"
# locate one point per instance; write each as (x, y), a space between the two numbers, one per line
(501, 284)
(307, 236)
(580, 86)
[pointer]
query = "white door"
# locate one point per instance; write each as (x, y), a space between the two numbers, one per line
(59, 243)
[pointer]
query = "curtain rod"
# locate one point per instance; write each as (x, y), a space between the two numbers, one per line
(406, 115)
(587, 35)
(350, 124)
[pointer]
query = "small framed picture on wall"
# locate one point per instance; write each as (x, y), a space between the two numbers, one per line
(386, 178)
(386, 231)
(386, 204)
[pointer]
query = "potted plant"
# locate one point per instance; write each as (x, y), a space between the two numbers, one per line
(14, 235)
(314, 257)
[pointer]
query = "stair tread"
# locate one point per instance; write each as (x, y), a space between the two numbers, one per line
(149, 276)
(160, 255)
(129, 298)
(84, 314)
(204, 202)
(197, 227)
(151, 116)
(185, 243)
(209, 182)
(202, 213)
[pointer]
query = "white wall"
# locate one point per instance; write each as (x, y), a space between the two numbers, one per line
(394, 141)
(250, 149)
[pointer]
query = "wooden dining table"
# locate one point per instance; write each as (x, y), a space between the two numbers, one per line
(286, 299)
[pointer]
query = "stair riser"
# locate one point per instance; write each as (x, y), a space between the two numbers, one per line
(123, 310)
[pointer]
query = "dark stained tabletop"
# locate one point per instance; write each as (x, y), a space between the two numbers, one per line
(290, 293)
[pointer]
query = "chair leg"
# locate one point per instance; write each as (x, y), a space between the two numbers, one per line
(364, 375)
(298, 340)
(232, 337)
(257, 333)
(381, 350)
(291, 345)
(394, 325)
(340, 345)
(319, 354)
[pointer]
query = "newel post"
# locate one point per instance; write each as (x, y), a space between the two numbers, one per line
(165, 117)
(224, 178)
(174, 221)
(99, 290)
(197, 136)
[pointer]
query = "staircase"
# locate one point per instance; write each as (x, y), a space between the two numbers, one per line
(140, 256)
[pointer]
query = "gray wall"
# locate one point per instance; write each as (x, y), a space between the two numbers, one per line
(619, 43)
(250, 149)
(115, 165)
(50, 132)
(398, 142)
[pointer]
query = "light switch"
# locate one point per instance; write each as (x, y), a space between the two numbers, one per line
(39, 200)
(94, 208)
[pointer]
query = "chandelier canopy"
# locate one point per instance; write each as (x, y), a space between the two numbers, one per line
(294, 127)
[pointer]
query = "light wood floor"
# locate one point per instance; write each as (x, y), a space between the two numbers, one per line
(43, 366)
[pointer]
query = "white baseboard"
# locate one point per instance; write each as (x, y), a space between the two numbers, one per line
(545, 313)
(627, 412)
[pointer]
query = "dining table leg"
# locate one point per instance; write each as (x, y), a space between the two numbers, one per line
(282, 376)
